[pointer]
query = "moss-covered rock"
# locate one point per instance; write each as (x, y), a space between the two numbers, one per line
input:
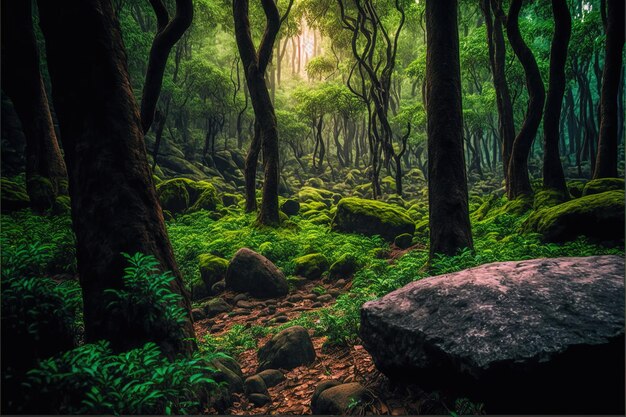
(311, 266)
(598, 216)
(212, 269)
(308, 194)
(13, 196)
(314, 182)
(320, 219)
(483, 210)
(602, 185)
(370, 217)
(403, 241)
(343, 267)
(182, 194)
(549, 198)
(229, 199)
(208, 200)
(313, 205)
(290, 207)
(62, 205)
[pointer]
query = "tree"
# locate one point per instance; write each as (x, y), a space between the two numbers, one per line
(518, 181)
(168, 33)
(553, 176)
(450, 228)
(266, 132)
(46, 175)
(606, 160)
(114, 204)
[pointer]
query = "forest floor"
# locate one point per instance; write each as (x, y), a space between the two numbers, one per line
(341, 363)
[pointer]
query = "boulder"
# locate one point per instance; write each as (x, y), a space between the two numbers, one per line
(287, 350)
(272, 377)
(290, 207)
(182, 194)
(311, 266)
(255, 385)
(598, 216)
(370, 217)
(212, 269)
(340, 399)
(259, 399)
(602, 185)
(538, 336)
(255, 274)
(343, 267)
(324, 385)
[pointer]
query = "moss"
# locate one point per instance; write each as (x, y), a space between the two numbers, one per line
(309, 194)
(62, 205)
(212, 269)
(518, 206)
(422, 228)
(403, 241)
(576, 188)
(397, 200)
(370, 217)
(601, 185)
(484, 208)
(549, 198)
(314, 182)
(290, 207)
(313, 205)
(179, 194)
(208, 200)
(229, 199)
(598, 216)
(343, 267)
(13, 196)
(311, 266)
(321, 218)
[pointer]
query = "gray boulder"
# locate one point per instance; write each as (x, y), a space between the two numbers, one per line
(255, 274)
(538, 336)
(339, 399)
(288, 349)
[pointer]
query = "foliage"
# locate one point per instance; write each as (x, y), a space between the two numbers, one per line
(92, 379)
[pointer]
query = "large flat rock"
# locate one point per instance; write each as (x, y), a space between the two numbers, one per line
(535, 336)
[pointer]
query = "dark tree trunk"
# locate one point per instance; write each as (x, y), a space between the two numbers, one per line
(114, 204)
(553, 176)
(252, 159)
(168, 33)
(46, 175)
(518, 179)
(606, 162)
(450, 228)
(255, 65)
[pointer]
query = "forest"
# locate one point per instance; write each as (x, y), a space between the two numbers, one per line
(243, 207)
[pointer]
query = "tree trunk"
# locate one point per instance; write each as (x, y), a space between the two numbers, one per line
(606, 162)
(114, 204)
(46, 175)
(518, 179)
(553, 176)
(450, 228)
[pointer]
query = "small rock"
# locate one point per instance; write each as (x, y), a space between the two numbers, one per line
(271, 309)
(287, 304)
(216, 306)
(244, 304)
(337, 399)
(324, 298)
(404, 240)
(334, 293)
(288, 349)
(317, 304)
(239, 312)
(311, 266)
(240, 297)
(310, 297)
(290, 207)
(259, 399)
(251, 272)
(272, 377)
(197, 314)
(255, 385)
(281, 319)
(218, 287)
(324, 385)
(295, 298)
(340, 282)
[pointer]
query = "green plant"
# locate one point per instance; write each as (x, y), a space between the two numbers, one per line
(319, 290)
(92, 379)
(236, 340)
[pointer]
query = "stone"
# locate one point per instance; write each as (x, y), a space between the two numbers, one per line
(253, 273)
(287, 350)
(228, 374)
(218, 287)
(281, 319)
(345, 266)
(553, 327)
(403, 241)
(255, 385)
(371, 217)
(212, 269)
(602, 185)
(259, 399)
(325, 298)
(272, 377)
(338, 399)
(311, 266)
(240, 297)
(216, 306)
(323, 386)
(244, 304)
(294, 298)
(597, 216)
(197, 314)
(290, 207)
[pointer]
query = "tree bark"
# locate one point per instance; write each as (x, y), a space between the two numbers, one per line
(518, 179)
(606, 161)
(553, 176)
(168, 33)
(450, 228)
(114, 204)
(46, 175)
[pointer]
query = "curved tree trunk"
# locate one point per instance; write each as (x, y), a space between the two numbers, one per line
(114, 204)
(46, 175)
(450, 228)
(252, 159)
(553, 176)
(606, 161)
(518, 180)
